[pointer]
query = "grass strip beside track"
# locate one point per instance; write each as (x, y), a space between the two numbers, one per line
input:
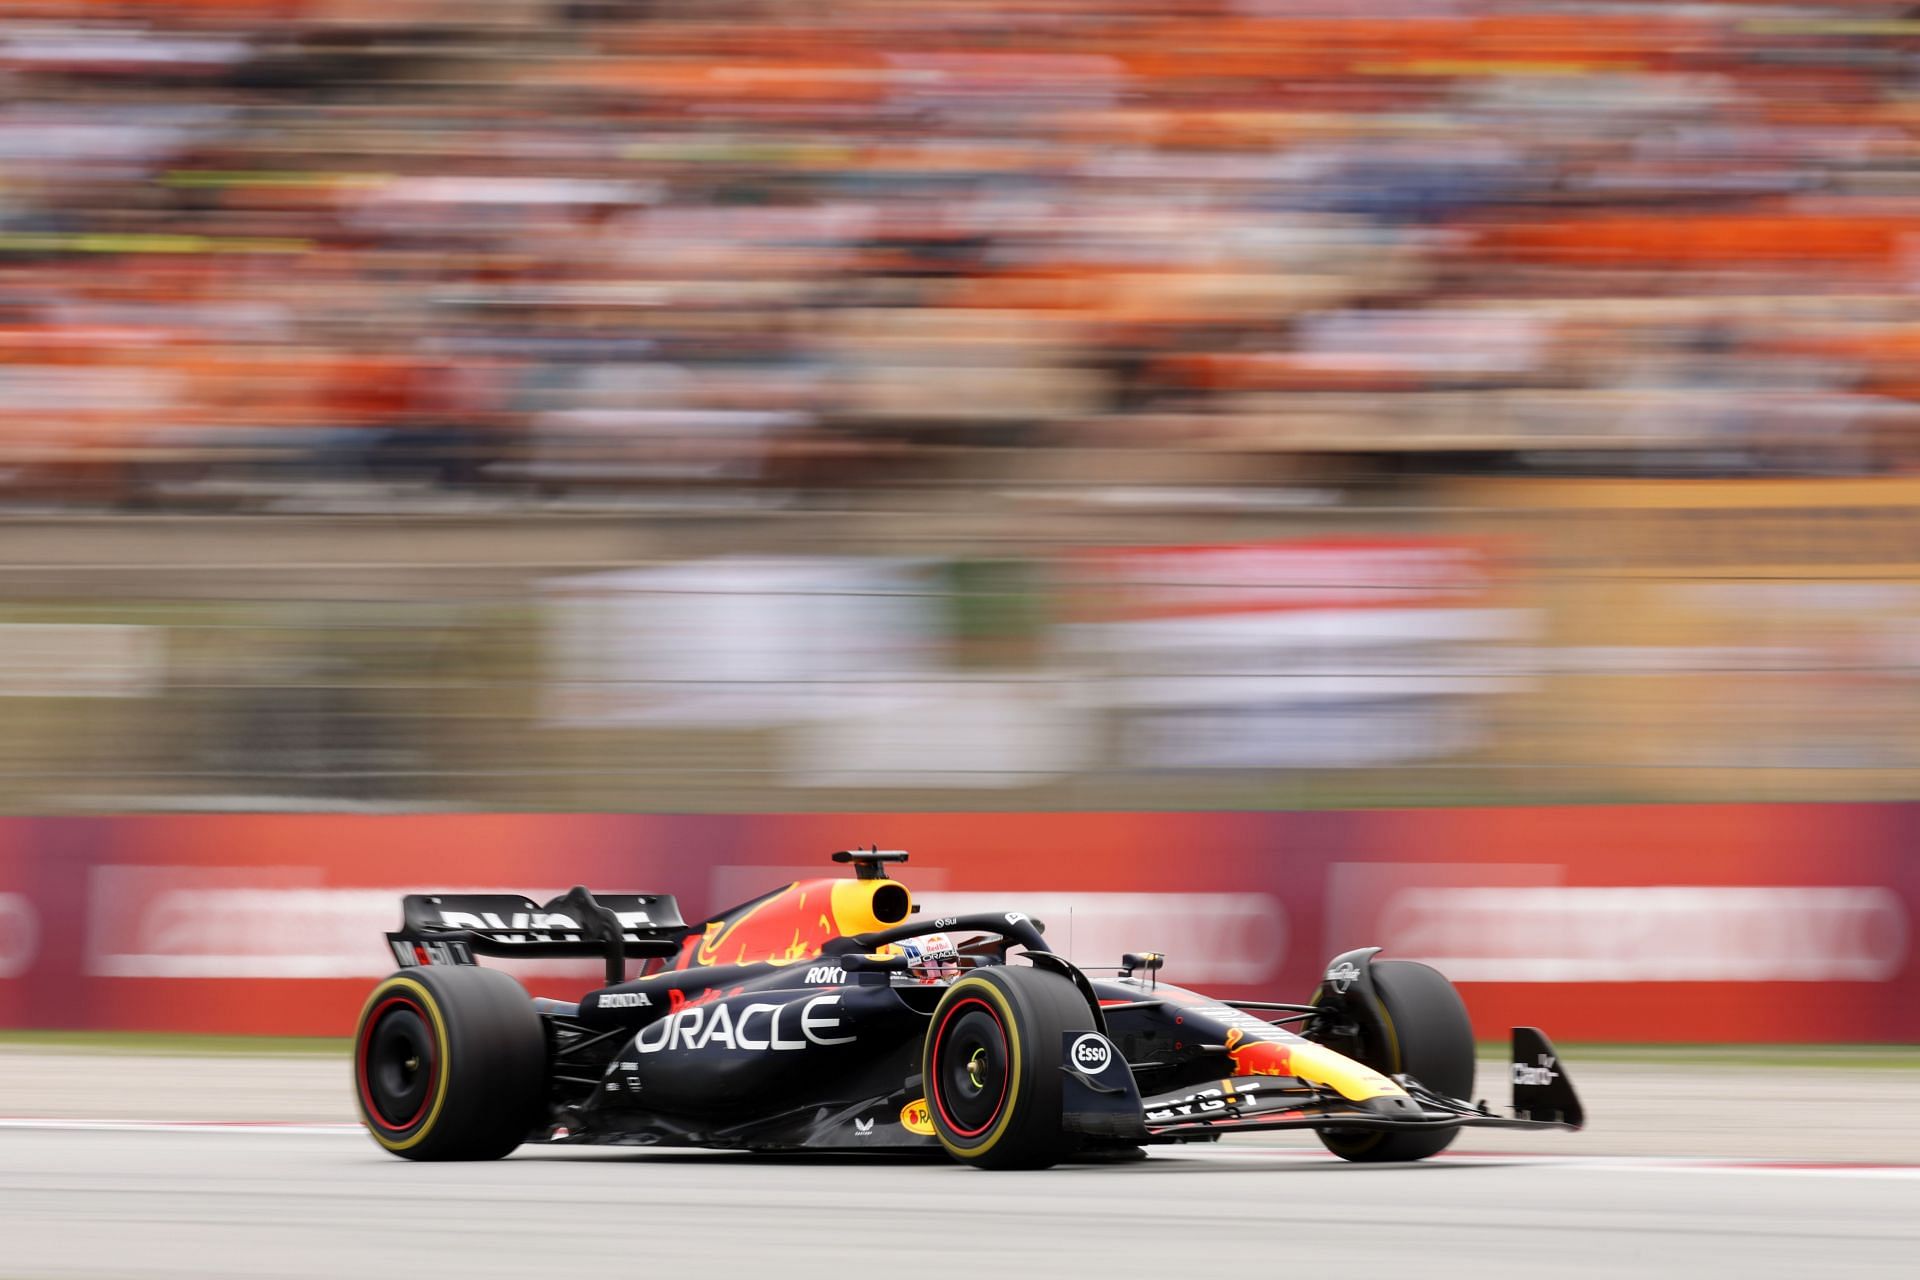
(161, 1042)
(1871, 1057)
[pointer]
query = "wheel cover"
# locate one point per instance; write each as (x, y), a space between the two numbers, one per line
(398, 1064)
(970, 1067)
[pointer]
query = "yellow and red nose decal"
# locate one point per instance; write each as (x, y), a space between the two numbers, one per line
(914, 1118)
(1314, 1063)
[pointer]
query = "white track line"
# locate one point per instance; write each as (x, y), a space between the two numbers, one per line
(1607, 1164)
(1235, 1152)
(317, 1128)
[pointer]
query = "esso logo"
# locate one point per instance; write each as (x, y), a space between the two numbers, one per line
(1091, 1054)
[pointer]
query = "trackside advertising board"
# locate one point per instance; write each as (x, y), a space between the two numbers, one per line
(1636, 923)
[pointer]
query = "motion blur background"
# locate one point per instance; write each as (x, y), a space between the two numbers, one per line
(770, 406)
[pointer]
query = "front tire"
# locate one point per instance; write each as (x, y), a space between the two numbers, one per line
(992, 1067)
(1423, 1031)
(450, 1063)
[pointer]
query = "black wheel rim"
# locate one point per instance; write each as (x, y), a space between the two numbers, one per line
(971, 1068)
(398, 1065)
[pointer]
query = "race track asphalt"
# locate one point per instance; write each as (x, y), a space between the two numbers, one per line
(319, 1202)
(1634, 1108)
(173, 1166)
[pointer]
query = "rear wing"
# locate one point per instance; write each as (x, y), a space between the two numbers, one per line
(453, 928)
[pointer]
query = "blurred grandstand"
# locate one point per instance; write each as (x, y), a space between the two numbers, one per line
(744, 403)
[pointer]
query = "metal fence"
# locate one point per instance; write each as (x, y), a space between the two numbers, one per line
(1536, 643)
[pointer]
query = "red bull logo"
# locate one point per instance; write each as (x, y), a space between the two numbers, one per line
(1258, 1057)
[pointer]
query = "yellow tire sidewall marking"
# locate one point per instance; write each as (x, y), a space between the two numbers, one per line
(998, 998)
(426, 1001)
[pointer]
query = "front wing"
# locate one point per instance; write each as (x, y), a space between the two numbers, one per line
(1105, 1103)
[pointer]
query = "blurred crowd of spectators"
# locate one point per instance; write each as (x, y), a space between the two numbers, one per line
(542, 245)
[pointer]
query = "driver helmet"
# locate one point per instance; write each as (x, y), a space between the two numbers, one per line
(931, 958)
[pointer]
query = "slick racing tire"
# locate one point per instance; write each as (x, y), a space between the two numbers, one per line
(992, 1067)
(1422, 1030)
(450, 1064)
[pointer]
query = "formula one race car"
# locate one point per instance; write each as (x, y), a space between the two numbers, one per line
(824, 1016)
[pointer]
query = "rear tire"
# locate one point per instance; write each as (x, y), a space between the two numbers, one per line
(992, 1067)
(450, 1063)
(1424, 1032)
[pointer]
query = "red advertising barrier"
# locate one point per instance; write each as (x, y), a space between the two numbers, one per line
(1640, 923)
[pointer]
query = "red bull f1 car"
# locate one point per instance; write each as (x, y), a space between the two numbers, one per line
(826, 1015)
